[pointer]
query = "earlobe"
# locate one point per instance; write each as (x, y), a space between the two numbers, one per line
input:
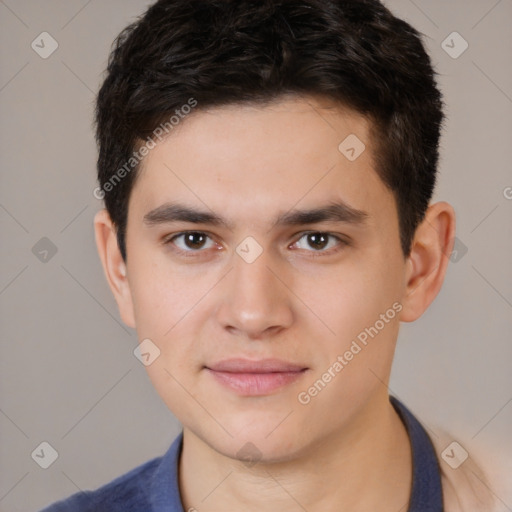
(114, 266)
(428, 260)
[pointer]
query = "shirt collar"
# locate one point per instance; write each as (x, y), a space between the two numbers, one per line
(426, 492)
(164, 491)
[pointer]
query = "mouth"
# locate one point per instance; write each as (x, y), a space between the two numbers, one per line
(255, 378)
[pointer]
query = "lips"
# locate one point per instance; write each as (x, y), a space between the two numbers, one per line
(262, 366)
(255, 378)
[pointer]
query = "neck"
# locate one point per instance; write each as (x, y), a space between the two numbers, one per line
(365, 466)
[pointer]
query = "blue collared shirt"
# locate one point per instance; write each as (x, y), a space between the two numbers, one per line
(153, 486)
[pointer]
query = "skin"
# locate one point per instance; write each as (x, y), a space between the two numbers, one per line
(346, 449)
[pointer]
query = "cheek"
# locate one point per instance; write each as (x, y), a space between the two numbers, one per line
(361, 307)
(161, 295)
(351, 302)
(352, 297)
(169, 310)
(166, 307)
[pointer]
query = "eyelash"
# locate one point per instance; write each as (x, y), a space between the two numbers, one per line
(315, 254)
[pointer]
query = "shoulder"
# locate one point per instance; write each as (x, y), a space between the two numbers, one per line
(465, 481)
(128, 492)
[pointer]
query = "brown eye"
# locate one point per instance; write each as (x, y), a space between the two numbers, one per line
(320, 242)
(192, 241)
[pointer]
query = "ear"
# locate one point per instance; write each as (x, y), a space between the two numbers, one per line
(113, 265)
(428, 260)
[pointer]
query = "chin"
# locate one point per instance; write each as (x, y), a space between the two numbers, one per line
(257, 441)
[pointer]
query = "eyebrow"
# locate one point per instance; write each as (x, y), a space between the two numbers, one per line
(337, 211)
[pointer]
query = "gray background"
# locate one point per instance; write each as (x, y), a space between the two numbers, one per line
(68, 375)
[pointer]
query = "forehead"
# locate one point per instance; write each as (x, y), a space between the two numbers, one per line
(238, 157)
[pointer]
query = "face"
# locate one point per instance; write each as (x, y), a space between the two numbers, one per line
(264, 262)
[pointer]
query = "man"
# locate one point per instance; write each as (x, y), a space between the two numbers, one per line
(267, 170)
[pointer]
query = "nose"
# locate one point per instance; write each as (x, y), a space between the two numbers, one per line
(255, 304)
